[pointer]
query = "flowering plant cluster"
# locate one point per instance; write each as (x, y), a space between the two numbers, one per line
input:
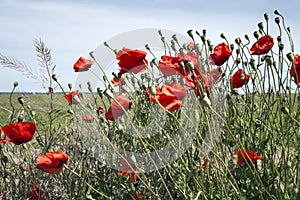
(236, 105)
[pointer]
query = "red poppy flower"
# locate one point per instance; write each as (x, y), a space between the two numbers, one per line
(19, 132)
(88, 118)
(36, 193)
(52, 162)
(165, 97)
(128, 168)
(220, 55)
(100, 110)
(216, 74)
(262, 46)
(117, 81)
(132, 60)
(169, 65)
(118, 107)
(82, 65)
(177, 89)
(239, 79)
(244, 155)
(73, 97)
(190, 56)
(295, 69)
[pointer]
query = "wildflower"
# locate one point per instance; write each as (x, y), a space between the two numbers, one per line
(177, 89)
(73, 97)
(244, 155)
(100, 110)
(132, 60)
(190, 56)
(117, 81)
(216, 75)
(82, 65)
(88, 118)
(220, 55)
(239, 79)
(165, 97)
(52, 162)
(128, 168)
(262, 46)
(118, 107)
(169, 65)
(295, 69)
(19, 132)
(36, 193)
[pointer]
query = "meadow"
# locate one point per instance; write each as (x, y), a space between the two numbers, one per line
(216, 122)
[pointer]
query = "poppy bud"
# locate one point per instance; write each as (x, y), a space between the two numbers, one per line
(16, 84)
(160, 33)
(89, 86)
(252, 63)
(70, 86)
(205, 101)
(152, 90)
(237, 61)
(290, 57)
(189, 32)
(20, 118)
(21, 100)
(285, 110)
(198, 48)
(231, 47)
(260, 25)
(268, 59)
(266, 15)
(281, 47)
(54, 77)
(71, 112)
(203, 38)
(147, 47)
(190, 66)
(223, 36)
(32, 113)
(277, 20)
(247, 38)
(238, 41)
(276, 12)
(175, 38)
(204, 31)
(256, 35)
(108, 94)
(181, 64)
(185, 46)
(210, 47)
(106, 44)
(288, 29)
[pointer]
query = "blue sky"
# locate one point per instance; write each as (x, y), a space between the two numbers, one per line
(74, 28)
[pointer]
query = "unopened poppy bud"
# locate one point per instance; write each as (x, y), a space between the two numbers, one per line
(252, 63)
(108, 94)
(281, 47)
(288, 29)
(266, 15)
(32, 113)
(54, 77)
(160, 33)
(260, 25)
(185, 46)
(237, 61)
(190, 66)
(16, 84)
(147, 47)
(89, 86)
(210, 47)
(106, 44)
(198, 48)
(70, 86)
(71, 112)
(279, 39)
(276, 12)
(104, 78)
(152, 90)
(238, 41)
(203, 38)
(231, 47)
(204, 31)
(181, 64)
(290, 57)
(256, 35)
(268, 59)
(190, 33)
(20, 118)
(205, 101)
(277, 20)
(174, 37)
(223, 36)
(285, 110)
(21, 100)
(247, 38)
